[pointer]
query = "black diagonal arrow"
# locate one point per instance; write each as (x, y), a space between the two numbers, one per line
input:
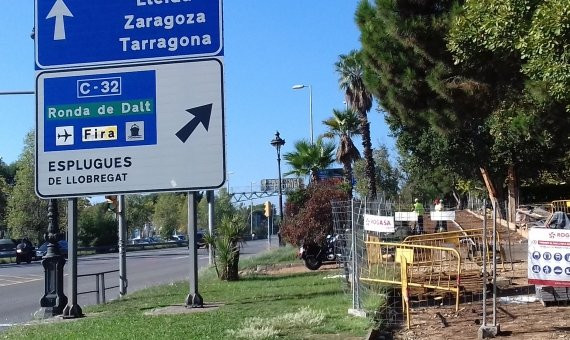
(202, 115)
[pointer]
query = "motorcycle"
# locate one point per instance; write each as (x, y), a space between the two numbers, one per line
(314, 255)
(24, 252)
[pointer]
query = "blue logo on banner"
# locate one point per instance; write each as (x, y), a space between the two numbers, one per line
(558, 257)
(557, 270)
(546, 269)
(547, 256)
(536, 255)
(536, 269)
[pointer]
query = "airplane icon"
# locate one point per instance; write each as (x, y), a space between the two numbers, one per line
(64, 135)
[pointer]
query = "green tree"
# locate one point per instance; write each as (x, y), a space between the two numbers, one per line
(97, 226)
(4, 194)
(7, 171)
(27, 214)
(519, 50)
(531, 35)
(351, 80)
(387, 176)
(427, 96)
(343, 125)
(139, 210)
(308, 159)
(167, 214)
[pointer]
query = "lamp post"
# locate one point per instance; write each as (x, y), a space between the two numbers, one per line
(228, 180)
(251, 212)
(54, 300)
(298, 87)
(277, 142)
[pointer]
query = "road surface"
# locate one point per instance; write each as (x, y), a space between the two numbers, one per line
(22, 286)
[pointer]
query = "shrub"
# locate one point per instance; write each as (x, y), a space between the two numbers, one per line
(309, 216)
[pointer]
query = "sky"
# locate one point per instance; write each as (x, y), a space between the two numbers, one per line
(269, 46)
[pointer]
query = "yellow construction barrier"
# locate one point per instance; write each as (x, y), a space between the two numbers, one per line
(468, 243)
(412, 266)
(561, 205)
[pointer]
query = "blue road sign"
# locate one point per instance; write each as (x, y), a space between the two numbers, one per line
(101, 111)
(71, 33)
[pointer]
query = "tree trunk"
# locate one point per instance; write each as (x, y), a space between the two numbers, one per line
(233, 264)
(367, 146)
(491, 190)
(348, 176)
(457, 200)
(512, 193)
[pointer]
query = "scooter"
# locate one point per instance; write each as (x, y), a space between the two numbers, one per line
(314, 255)
(24, 253)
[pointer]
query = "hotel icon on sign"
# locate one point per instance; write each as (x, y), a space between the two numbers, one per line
(135, 131)
(64, 135)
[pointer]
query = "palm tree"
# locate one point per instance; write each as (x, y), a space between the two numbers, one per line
(344, 125)
(308, 159)
(350, 80)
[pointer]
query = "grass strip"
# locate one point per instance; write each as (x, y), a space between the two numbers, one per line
(288, 306)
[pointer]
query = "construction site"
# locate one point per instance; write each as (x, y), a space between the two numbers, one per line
(466, 276)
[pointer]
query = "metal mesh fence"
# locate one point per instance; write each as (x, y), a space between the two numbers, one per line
(477, 269)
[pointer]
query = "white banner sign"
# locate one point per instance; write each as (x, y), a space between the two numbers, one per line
(406, 216)
(380, 224)
(442, 215)
(549, 257)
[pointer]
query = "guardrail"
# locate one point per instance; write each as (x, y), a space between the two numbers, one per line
(115, 248)
(100, 286)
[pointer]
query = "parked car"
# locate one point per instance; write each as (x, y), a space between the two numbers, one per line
(7, 248)
(42, 250)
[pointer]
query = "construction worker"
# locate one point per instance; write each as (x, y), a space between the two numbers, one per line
(419, 209)
(441, 225)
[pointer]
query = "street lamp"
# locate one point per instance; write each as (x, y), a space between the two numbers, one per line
(54, 299)
(298, 87)
(228, 180)
(251, 212)
(277, 142)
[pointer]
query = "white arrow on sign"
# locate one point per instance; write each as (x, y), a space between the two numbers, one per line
(58, 11)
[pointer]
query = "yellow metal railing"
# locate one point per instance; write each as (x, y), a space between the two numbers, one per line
(413, 266)
(561, 205)
(468, 243)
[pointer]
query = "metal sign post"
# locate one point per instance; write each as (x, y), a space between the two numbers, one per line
(210, 197)
(194, 299)
(72, 310)
(123, 281)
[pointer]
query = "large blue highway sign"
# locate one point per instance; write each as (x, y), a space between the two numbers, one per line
(76, 33)
(126, 129)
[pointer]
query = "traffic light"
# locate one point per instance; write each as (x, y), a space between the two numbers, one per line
(112, 202)
(267, 209)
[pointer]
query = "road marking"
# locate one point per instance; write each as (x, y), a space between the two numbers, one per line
(187, 256)
(10, 280)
